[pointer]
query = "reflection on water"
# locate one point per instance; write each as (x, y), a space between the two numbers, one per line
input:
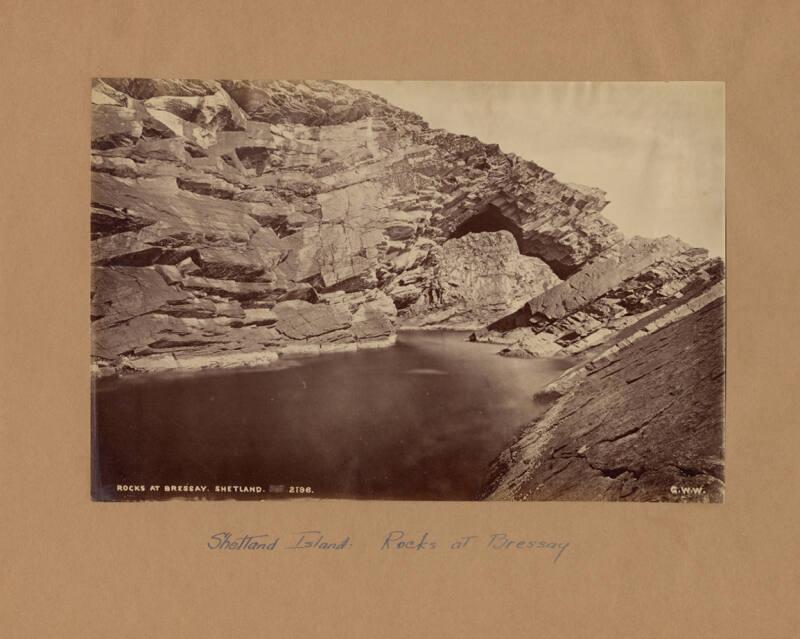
(420, 420)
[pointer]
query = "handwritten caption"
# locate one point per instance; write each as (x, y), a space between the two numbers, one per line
(393, 541)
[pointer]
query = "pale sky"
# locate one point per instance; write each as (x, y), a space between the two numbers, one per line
(656, 148)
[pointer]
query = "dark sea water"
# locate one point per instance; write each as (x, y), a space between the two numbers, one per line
(420, 420)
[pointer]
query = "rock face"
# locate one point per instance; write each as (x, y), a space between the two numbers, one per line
(234, 222)
(623, 285)
(474, 280)
(644, 422)
(640, 416)
(217, 202)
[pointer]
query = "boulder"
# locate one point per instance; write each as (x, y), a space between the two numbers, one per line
(301, 320)
(532, 346)
(477, 279)
(120, 293)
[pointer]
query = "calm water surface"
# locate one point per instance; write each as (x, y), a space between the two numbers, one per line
(420, 420)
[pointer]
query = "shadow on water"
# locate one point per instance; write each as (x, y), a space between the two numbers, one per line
(420, 420)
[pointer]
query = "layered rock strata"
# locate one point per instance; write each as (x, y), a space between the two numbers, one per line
(622, 286)
(639, 417)
(641, 422)
(235, 218)
(234, 222)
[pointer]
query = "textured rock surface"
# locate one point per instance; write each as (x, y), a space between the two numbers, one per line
(229, 198)
(233, 222)
(599, 276)
(642, 423)
(640, 416)
(619, 288)
(476, 279)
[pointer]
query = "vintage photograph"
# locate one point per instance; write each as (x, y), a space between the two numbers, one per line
(425, 290)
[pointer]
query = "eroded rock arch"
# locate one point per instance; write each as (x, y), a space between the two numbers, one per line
(490, 219)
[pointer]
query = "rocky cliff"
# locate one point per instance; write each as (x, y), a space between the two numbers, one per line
(640, 415)
(234, 222)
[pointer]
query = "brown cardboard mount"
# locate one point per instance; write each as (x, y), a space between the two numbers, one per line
(74, 568)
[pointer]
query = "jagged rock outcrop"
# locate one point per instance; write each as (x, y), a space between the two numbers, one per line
(602, 274)
(322, 204)
(623, 285)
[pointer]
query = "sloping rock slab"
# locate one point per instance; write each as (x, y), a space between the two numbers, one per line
(647, 425)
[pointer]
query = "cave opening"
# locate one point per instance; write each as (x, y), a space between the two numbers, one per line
(491, 219)
(487, 221)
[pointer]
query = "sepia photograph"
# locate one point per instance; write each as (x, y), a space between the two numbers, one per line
(420, 319)
(407, 290)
